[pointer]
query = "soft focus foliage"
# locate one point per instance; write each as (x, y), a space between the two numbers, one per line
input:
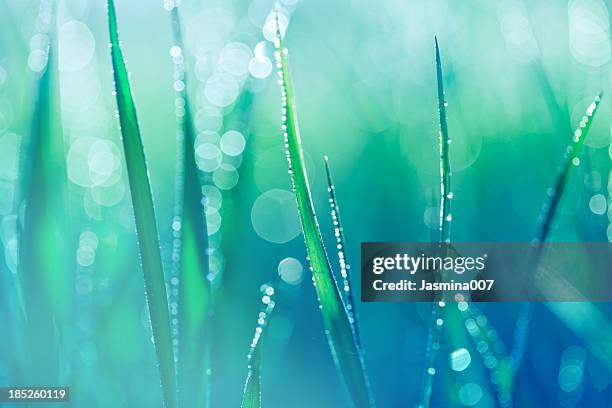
(518, 77)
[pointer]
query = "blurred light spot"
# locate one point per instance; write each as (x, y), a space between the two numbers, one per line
(77, 160)
(588, 32)
(571, 370)
(208, 156)
(274, 216)
(37, 60)
(7, 197)
(9, 156)
(86, 255)
(76, 46)
(109, 195)
(262, 49)
(232, 143)
(598, 204)
(208, 118)
(234, 59)
(88, 238)
(104, 162)
(470, 394)
(460, 359)
(260, 67)
(516, 30)
(225, 177)
(80, 90)
(11, 254)
(213, 220)
(93, 162)
(269, 28)
(592, 180)
(204, 67)
(8, 228)
(221, 89)
(213, 196)
(290, 271)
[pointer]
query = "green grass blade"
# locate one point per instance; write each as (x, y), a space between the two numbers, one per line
(144, 214)
(251, 397)
(444, 142)
(445, 218)
(345, 267)
(341, 335)
(44, 268)
(570, 160)
(192, 267)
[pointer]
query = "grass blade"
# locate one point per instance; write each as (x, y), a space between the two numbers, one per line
(570, 160)
(43, 252)
(445, 218)
(144, 213)
(345, 267)
(444, 142)
(340, 332)
(192, 265)
(251, 397)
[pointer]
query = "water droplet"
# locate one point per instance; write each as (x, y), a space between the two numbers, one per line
(460, 359)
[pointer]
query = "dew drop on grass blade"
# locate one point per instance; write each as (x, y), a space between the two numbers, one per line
(340, 332)
(44, 240)
(251, 397)
(144, 215)
(190, 260)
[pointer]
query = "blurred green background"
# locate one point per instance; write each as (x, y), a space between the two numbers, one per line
(519, 76)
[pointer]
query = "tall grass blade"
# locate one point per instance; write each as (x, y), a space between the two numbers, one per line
(191, 265)
(445, 219)
(43, 251)
(340, 332)
(251, 397)
(345, 267)
(144, 214)
(446, 194)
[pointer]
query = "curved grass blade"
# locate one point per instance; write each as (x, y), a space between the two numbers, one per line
(345, 267)
(43, 251)
(191, 264)
(144, 215)
(251, 397)
(340, 332)
(571, 159)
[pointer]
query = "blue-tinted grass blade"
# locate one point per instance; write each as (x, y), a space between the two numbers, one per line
(343, 263)
(341, 335)
(251, 396)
